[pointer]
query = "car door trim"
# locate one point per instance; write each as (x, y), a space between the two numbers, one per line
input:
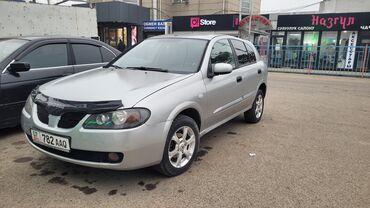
(228, 105)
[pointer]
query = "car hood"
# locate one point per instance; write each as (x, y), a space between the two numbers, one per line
(105, 84)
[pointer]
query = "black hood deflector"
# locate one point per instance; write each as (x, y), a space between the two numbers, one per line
(58, 107)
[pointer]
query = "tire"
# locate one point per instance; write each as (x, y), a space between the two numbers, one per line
(254, 114)
(185, 148)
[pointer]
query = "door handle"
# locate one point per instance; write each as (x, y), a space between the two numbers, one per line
(259, 71)
(239, 79)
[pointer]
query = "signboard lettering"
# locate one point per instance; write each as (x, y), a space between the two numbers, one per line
(351, 50)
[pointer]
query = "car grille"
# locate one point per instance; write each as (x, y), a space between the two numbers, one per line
(42, 114)
(68, 120)
(91, 156)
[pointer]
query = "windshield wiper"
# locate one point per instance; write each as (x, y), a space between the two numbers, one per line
(116, 66)
(144, 68)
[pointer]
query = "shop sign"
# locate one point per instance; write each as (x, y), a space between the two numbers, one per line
(206, 22)
(316, 22)
(351, 50)
(257, 23)
(155, 26)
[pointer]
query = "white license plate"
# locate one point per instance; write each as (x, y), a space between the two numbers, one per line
(51, 140)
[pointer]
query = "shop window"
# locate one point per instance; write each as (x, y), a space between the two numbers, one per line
(327, 50)
(47, 56)
(86, 54)
(293, 49)
(278, 33)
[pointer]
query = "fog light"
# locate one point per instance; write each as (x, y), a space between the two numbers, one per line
(113, 157)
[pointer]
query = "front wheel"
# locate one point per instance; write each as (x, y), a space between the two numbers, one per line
(254, 114)
(181, 147)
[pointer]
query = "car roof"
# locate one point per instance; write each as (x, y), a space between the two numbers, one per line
(192, 36)
(32, 38)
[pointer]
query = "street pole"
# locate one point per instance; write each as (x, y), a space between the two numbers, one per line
(240, 10)
(250, 18)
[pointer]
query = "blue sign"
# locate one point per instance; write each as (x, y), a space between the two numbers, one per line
(156, 25)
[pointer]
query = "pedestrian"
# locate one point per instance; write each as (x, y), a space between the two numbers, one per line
(121, 45)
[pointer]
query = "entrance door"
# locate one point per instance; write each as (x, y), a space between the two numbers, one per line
(293, 49)
(364, 54)
(276, 58)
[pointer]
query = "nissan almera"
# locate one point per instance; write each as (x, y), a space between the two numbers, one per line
(150, 106)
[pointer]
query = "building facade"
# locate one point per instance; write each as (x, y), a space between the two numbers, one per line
(344, 6)
(120, 24)
(166, 9)
(321, 41)
(25, 19)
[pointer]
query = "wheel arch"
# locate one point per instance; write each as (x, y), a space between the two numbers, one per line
(191, 109)
(263, 87)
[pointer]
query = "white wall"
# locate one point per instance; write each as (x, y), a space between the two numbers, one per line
(344, 6)
(24, 19)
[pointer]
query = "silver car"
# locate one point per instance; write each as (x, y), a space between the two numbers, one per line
(150, 106)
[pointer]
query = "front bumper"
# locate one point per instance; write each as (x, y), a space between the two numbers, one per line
(141, 146)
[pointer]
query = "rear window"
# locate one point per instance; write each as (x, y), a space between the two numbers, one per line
(107, 55)
(241, 52)
(251, 55)
(86, 54)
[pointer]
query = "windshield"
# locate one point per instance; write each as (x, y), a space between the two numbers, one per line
(174, 55)
(8, 46)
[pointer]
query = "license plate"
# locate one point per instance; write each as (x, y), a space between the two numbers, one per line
(51, 140)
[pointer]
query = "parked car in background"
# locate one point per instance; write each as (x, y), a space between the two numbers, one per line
(26, 62)
(150, 106)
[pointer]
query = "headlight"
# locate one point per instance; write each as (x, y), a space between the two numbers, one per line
(29, 105)
(120, 119)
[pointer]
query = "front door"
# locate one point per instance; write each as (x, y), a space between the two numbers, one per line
(223, 94)
(48, 62)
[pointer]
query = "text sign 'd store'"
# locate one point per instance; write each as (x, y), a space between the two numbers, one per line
(206, 22)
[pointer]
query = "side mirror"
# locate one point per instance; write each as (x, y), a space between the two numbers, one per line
(19, 67)
(222, 68)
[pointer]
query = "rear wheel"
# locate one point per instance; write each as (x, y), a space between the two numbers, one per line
(254, 114)
(181, 147)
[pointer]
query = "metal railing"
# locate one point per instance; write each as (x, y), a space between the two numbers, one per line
(333, 60)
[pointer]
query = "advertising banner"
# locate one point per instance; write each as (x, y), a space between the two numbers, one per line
(317, 22)
(351, 50)
(206, 22)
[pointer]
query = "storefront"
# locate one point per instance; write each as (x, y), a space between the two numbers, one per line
(222, 24)
(120, 24)
(320, 41)
(157, 27)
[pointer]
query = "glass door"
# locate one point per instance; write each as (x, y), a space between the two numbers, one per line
(327, 50)
(293, 48)
(276, 57)
(309, 52)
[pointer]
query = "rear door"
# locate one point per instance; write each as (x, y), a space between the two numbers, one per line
(88, 55)
(48, 60)
(249, 70)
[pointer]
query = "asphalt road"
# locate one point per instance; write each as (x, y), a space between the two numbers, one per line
(311, 149)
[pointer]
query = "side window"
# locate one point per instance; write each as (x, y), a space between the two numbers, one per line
(47, 56)
(241, 51)
(251, 55)
(86, 54)
(222, 53)
(107, 55)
